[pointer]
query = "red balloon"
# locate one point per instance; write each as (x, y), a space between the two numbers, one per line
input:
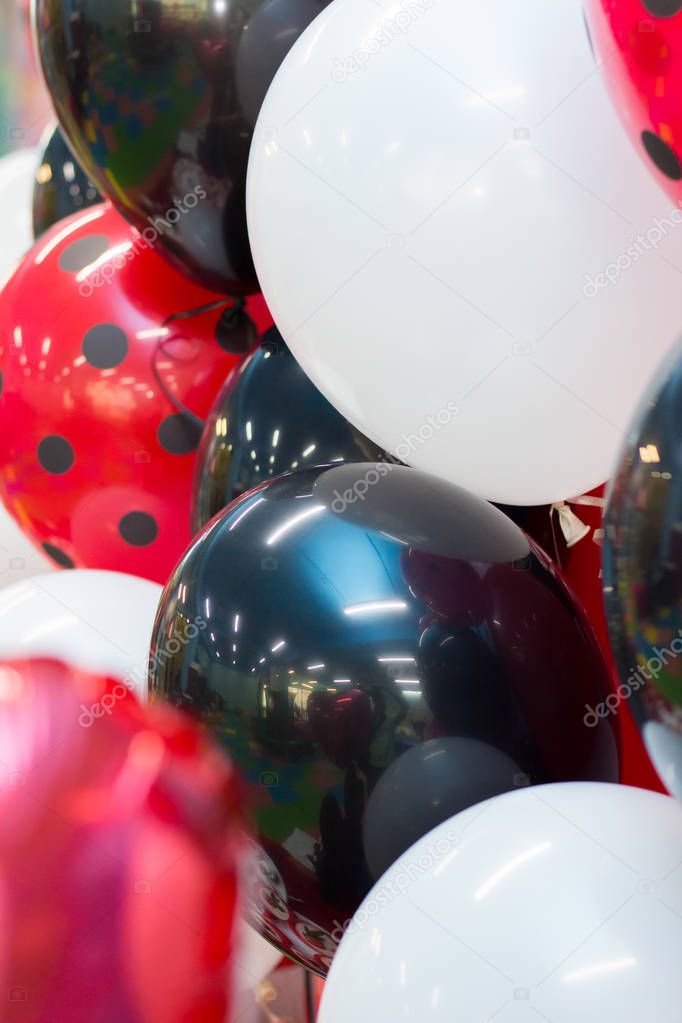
(120, 850)
(102, 401)
(640, 45)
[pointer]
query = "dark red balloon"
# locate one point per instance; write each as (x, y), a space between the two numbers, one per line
(639, 43)
(102, 401)
(120, 849)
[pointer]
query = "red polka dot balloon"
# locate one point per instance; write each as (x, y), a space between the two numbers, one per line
(103, 396)
(639, 43)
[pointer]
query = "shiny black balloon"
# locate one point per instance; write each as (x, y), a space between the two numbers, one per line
(269, 419)
(159, 101)
(61, 186)
(337, 626)
(642, 554)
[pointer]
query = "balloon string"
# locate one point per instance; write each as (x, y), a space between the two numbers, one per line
(195, 312)
(175, 402)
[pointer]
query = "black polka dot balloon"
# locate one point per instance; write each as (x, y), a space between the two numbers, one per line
(639, 45)
(101, 405)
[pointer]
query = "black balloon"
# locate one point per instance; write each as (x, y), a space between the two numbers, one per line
(269, 419)
(61, 186)
(346, 623)
(642, 554)
(159, 101)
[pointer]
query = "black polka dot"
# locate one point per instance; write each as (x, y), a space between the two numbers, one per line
(105, 346)
(138, 529)
(662, 155)
(55, 454)
(663, 8)
(179, 434)
(59, 556)
(80, 254)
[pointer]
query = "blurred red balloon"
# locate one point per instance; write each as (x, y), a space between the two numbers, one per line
(102, 400)
(120, 847)
(639, 43)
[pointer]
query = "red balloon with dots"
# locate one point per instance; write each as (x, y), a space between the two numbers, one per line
(121, 849)
(109, 360)
(639, 45)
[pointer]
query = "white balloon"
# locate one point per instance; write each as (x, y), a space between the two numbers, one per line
(560, 902)
(94, 620)
(443, 211)
(17, 177)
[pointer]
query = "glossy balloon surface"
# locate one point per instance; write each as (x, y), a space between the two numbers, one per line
(100, 403)
(159, 102)
(61, 187)
(639, 47)
(120, 851)
(445, 216)
(559, 903)
(643, 572)
(354, 616)
(268, 419)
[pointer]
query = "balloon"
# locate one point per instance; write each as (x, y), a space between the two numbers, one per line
(268, 419)
(16, 184)
(61, 186)
(95, 621)
(441, 210)
(320, 666)
(102, 397)
(637, 43)
(643, 572)
(564, 898)
(120, 850)
(159, 103)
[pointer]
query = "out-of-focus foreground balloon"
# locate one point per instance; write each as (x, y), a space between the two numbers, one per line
(381, 649)
(120, 850)
(643, 571)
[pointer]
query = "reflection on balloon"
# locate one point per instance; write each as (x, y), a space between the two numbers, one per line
(327, 657)
(159, 103)
(643, 571)
(268, 419)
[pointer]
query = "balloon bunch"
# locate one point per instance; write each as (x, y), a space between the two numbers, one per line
(473, 277)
